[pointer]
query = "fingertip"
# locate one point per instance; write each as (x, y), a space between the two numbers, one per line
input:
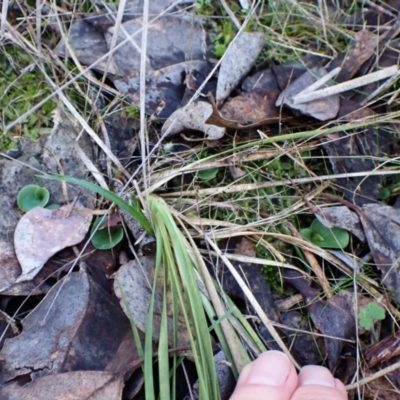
(271, 376)
(339, 385)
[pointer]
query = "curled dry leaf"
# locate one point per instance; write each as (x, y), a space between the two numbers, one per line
(194, 118)
(41, 233)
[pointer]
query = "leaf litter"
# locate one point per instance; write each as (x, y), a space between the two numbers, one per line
(78, 336)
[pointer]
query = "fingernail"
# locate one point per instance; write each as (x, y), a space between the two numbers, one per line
(271, 368)
(316, 375)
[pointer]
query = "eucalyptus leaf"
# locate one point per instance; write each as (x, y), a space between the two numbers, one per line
(32, 196)
(333, 238)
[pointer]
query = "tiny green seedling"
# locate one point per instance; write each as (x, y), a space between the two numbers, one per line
(31, 196)
(369, 314)
(320, 235)
(207, 174)
(105, 237)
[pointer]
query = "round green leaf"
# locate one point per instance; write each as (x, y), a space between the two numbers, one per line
(307, 233)
(316, 237)
(332, 238)
(207, 174)
(105, 238)
(32, 196)
(384, 194)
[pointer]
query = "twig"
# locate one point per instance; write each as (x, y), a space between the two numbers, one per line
(343, 87)
(371, 378)
(320, 82)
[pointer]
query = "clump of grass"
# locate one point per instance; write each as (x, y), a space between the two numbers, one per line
(22, 86)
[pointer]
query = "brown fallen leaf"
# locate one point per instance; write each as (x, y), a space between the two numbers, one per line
(77, 326)
(334, 318)
(194, 118)
(350, 62)
(79, 385)
(232, 109)
(41, 233)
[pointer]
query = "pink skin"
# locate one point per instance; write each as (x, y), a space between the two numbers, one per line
(273, 377)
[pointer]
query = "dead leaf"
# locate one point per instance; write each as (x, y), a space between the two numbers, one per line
(382, 229)
(255, 279)
(355, 152)
(252, 109)
(341, 217)
(234, 111)
(305, 348)
(333, 318)
(11, 270)
(321, 109)
(88, 44)
(79, 385)
(171, 39)
(237, 62)
(77, 326)
(164, 88)
(194, 118)
(351, 61)
(133, 286)
(41, 233)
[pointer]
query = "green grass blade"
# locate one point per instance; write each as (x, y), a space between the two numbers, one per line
(136, 213)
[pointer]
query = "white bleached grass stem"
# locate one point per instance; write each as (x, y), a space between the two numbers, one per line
(343, 87)
(320, 82)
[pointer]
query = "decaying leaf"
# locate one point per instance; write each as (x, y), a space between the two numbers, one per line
(171, 39)
(164, 88)
(382, 229)
(355, 152)
(133, 286)
(321, 109)
(350, 62)
(94, 385)
(334, 317)
(254, 277)
(341, 217)
(78, 326)
(307, 349)
(194, 118)
(88, 44)
(237, 62)
(41, 233)
(60, 148)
